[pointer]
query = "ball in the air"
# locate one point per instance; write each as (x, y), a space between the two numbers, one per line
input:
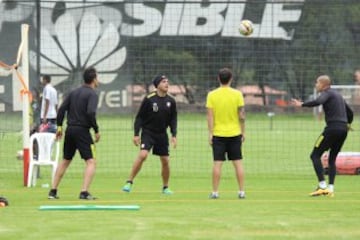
(246, 27)
(20, 155)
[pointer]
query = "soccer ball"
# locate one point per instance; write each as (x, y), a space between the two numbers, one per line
(20, 155)
(246, 27)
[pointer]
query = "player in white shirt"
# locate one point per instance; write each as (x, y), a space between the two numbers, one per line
(49, 105)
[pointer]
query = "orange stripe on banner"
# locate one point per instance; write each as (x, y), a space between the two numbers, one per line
(4, 65)
(25, 89)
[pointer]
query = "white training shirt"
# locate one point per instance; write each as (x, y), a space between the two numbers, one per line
(50, 94)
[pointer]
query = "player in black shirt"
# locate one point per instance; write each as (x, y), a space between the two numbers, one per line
(157, 112)
(80, 106)
(338, 117)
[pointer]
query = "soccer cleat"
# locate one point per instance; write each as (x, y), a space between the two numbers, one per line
(167, 191)
(86, 196)
(214, 196)
(53, 194)
(127, 187)
(331, 194)
(319, 192)
(241, 195)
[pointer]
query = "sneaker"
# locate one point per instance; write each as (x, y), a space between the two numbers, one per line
(331, 194)
(167, 191)
(127, 187)
(53, 194)
(241, 195)
(319, 191)
(214, 196)
(86, 196)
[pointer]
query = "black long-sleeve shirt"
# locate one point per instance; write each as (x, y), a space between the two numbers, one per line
(156, 114)
(335, 108)
(80, 105)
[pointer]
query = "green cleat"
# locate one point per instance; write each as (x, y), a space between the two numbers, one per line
(167, 191)
(127, 187)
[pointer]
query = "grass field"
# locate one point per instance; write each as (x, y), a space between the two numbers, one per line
(279, 176)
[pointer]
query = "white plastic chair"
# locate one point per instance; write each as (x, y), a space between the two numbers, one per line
(48, 150)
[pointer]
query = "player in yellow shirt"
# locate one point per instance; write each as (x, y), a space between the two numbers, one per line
(226, 125)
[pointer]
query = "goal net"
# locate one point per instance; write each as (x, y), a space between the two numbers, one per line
(129, 42)
(351, 94)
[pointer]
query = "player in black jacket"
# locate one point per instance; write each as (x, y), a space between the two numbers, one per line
(157, 112)
(338, 117)
(80, 106)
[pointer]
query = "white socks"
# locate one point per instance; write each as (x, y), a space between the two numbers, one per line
(322, 184)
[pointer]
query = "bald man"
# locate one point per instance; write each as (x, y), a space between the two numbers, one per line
(338, 117)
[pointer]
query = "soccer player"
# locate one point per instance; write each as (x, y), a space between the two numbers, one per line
(338, 117)
(48, 105)
(226, 125)
(157, 112)
(80, 106)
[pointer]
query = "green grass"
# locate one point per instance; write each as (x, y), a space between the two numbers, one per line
(275, 208)
(279, 177)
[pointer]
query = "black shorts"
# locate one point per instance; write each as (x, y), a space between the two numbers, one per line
(78, 138)
(330, 139)
(158, 142)
(227, 145)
